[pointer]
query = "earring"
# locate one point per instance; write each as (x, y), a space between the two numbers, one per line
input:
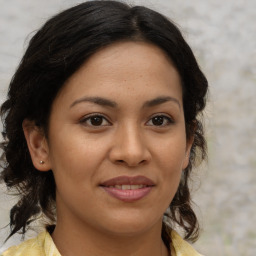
(41, 162)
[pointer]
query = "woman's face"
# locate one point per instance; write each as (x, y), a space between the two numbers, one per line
(117, 144)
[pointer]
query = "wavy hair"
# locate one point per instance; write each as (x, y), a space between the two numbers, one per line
(57, 51)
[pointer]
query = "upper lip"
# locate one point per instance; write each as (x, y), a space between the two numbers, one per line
(128, 180)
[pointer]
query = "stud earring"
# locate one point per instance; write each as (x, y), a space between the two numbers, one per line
(41, 162)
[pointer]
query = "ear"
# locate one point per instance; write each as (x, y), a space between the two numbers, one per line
(37, 145)
(187, 152)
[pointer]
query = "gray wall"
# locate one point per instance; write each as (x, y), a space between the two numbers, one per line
(223, 37)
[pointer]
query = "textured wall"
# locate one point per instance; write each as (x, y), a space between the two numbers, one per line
(223, 37)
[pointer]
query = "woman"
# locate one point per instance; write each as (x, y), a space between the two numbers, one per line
(101, 132)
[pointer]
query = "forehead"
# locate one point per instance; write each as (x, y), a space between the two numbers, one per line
(128, 57)
(125, 68)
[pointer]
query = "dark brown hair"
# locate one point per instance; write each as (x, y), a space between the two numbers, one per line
(56, 52)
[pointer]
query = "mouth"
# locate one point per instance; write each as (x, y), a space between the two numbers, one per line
(127, 188)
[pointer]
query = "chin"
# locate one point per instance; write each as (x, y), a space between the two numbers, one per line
(133, 226)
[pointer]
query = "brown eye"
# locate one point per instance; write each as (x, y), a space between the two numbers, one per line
(95, 120)
(160, 120)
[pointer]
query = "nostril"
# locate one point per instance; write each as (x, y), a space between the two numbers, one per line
(120, 161)
(129, 163)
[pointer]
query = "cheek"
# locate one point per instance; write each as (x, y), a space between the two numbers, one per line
(171, 152)
(171, 174)
(77, 157)
(171, 157)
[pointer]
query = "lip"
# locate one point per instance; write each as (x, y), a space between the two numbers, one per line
(128, 195)
(128, 180)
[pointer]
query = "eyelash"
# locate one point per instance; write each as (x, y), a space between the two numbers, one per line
(95, 115)
(168, 120)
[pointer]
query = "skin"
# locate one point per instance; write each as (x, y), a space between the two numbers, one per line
(127, 142)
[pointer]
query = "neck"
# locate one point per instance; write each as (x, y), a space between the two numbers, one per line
(73, 239)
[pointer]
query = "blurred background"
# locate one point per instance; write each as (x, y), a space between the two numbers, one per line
(222, 35)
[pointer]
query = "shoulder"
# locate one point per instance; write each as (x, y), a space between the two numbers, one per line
(181, 247)
(42, 245)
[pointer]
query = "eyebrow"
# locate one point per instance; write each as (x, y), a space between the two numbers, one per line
(160, 100)
(97, 100)
(109, 103)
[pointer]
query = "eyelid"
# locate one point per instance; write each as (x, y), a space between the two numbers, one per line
(166, 116)
(87, 117)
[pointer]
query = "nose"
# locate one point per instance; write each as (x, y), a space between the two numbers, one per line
(129, 147)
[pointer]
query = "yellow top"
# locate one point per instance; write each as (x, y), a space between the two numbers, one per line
(43, 245)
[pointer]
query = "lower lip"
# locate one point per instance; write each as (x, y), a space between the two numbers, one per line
(128, 195)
